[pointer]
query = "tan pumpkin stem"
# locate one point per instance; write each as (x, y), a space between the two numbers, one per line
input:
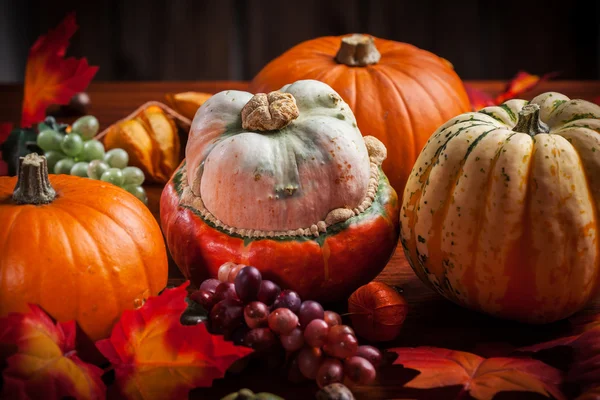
(529, 121)
(33, 185)
(269, 112)
(358, 51)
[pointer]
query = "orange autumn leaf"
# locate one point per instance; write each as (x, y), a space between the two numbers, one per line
(49, 77)
(482, 378)
(43, 362)
(156, 357)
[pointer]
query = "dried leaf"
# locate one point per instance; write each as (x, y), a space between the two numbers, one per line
(187, 103)
(521, 83)
(482, 378)
(49, 77)
(44, 363)
(156, 357)
(585, 367)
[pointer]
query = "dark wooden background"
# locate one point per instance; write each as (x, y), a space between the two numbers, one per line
(233, 39)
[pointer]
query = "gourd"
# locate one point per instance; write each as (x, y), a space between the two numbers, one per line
(500, 213)
(82, 249)
(399, 93)
(284, 182)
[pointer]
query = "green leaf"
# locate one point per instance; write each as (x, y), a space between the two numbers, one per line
(50, 123)
(193, 314)
(20, 142)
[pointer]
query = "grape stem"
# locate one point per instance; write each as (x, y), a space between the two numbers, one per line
(33, 185)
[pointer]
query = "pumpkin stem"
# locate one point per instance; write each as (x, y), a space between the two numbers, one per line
(33, 185)
(358, 51)
(529, 121)
(269, 112)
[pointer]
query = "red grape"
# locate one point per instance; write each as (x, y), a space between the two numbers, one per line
(309, 360)
(268, 292)
(371, 354)
(224, 270)
(359, 370)
(205, 298)
(210, 285)
(332, 318)
(330, 371)
(293, 341)
(339, 329)
(227, 314)
(294, 373)
(315, 333)
(310, 310)
(234, 272)
(260, 339)
(225, 290)
(256, 314)
(342, 345)
(247, 284)
(283, 321)
(288, 299)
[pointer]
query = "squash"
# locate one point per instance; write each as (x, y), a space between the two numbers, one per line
(82, 249)
(398, 92)
(500, 213)
(285, 182)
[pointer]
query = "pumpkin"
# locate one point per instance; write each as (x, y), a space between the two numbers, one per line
(284, 182)
(398, 92)
(500, 213)
(82, 249)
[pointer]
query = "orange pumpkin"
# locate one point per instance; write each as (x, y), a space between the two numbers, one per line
(398, 92)
(284, 182)
(82, 249)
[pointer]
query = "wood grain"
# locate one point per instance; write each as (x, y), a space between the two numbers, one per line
(431, 321)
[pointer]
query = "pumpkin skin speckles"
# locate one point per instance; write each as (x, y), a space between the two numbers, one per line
(509, 219)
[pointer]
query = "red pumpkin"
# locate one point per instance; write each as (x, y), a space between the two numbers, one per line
(285, 183)
(399, 93)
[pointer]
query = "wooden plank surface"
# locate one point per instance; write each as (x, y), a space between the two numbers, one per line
(431, 320)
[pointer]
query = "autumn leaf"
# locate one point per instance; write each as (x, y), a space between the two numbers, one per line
(590, 394)
(43, 363)
(156, 357)
(478, 98)
(49, 77)
(482, 378)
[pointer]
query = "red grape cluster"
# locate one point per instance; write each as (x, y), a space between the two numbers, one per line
(255, 312)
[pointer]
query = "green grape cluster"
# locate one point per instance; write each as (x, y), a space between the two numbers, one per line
(77, 153)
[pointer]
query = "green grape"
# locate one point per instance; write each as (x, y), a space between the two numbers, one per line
(52, 157)
(64, 166)
(49, 140)
(138, 192)
(92, 150)
(114, 176)
(96, 168)
(80, 169)
(86, 127)
(133, 176)
(116, 158)
(72, 145)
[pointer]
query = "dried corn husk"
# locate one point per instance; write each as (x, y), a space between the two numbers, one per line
(187, 103)
(151, 138)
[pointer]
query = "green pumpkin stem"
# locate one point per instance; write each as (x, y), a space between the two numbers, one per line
(33, 185)
(529, 121)
(358, 51)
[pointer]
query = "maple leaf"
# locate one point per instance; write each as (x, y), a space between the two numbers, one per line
(590, 394)
(156, 357)
(482, 378)
(5, 128)
(49, 77)
(44, 363)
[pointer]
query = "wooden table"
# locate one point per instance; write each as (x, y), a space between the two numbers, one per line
(432, 321)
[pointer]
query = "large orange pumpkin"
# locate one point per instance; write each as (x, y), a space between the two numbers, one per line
(284, 182)
(398, 92)
(83, 250)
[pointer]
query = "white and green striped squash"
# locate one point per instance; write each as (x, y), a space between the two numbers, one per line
(500, 213)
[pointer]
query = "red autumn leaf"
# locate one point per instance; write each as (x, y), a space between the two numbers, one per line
(49, 77)
(590, 394)
(44, 363)
(521, 83)
(156, 357)
(585, 368)
(478, 98)
(5, 128)
(482, 378)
